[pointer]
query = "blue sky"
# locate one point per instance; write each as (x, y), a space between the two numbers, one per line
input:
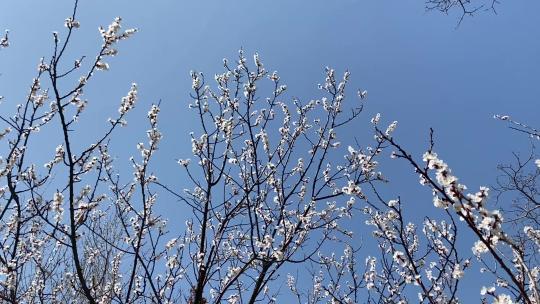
(418, 68)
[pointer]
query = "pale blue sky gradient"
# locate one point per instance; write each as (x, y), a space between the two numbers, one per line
(418, 68)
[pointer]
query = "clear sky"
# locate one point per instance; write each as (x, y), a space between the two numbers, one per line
(418, 68)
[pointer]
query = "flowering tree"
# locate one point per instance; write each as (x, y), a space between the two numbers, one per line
(507, 250)
(262, 201)
(272, 192)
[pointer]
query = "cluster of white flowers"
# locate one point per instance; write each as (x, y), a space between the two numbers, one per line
(42, 66)
(352, 188)
(37, 96)
(4, 41)
(184, 162)
(471, 207)
(503, 299)
(497, 299)
(196, 80)
(266, 142)
(153, 114)
(58, 157)
(443, 172)
(4, 132)
(457, 272)
(16, 154)
(533, 234)
(501, 117)
(391, 128)
(102, 66)
(362, 94)
(56, 206)
(79, 103)
(128, 101)
(110, 37)
(370, 275)
(71, 23)
(233, 299)
(440, 203)
(400, 259)
(479, 248)
(266, 243)
(199, 145)
(225, 125)
(375, 120)
(364, 161)
(487, 290)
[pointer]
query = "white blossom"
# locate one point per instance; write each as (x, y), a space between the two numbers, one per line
(128, 102)
(4, 41)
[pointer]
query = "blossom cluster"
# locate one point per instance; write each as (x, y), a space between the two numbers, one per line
(4, 41)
